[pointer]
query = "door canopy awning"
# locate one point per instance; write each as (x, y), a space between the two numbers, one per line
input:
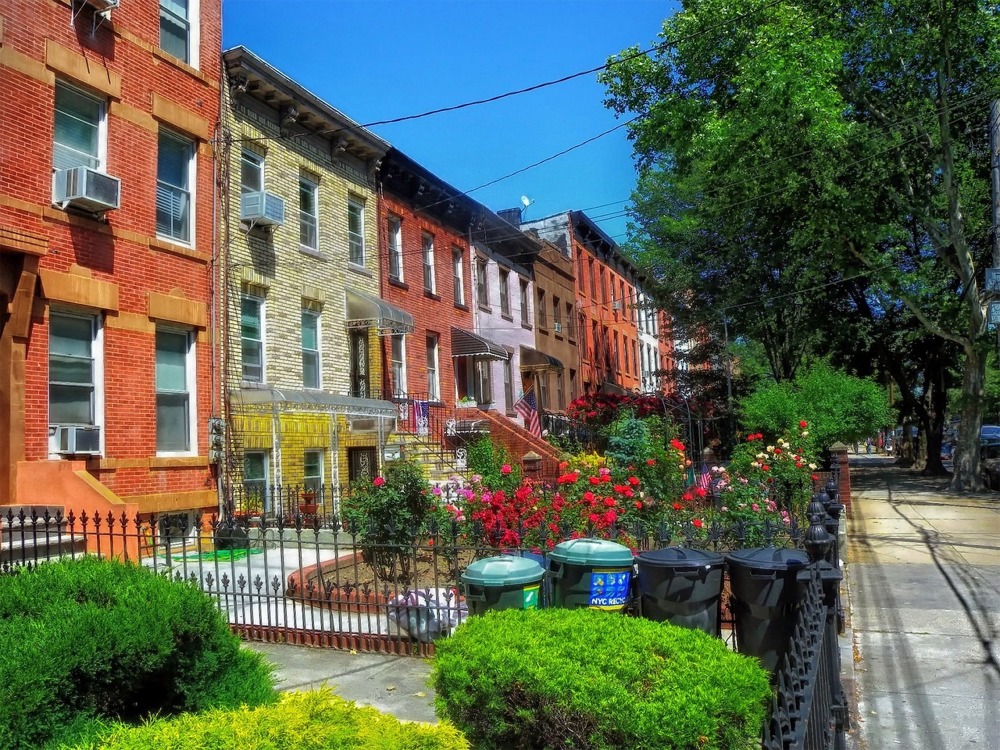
(366, 311)
(468, 344)
(292, 400)
(532, 359)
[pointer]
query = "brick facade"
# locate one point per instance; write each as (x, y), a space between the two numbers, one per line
(113, 268)
(555, 278)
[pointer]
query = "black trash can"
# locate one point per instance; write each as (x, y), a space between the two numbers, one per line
(764, 594)
(681, 586)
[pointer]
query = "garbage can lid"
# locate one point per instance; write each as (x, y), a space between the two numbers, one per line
(592, 552)
(680, 557)
(768, 558)
(504, 570)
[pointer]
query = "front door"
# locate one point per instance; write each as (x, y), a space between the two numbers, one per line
(361, 464)
(359, 363)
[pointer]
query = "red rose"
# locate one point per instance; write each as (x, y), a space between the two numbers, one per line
(677, 506)
(697, 523)
(803, 424)
(379, 481)
(765, 467)
(634, 481)
(650, 462)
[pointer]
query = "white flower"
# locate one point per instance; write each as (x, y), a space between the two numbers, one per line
(770, 449)
(812, 466)
(805, 433)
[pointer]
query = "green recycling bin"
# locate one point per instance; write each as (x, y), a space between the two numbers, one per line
(592, 573)
(503, 582)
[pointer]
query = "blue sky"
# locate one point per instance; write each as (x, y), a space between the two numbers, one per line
(380, 59)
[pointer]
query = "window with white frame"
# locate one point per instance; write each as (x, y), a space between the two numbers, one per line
(433, 377)
(557, 314)
(356, 232)
(484, 381)
(251, 172)
(73, 369)
(308, 214)
(179, 29)
(312, 471)
(543, 390)
(458, 274)
(560, 403)
(430, 284)
(256, 475)
(397, 356)
(508, 385)
(505, 292)
(310, 349)
(482, 287)
(525, 309)
(174, 182)
(395, 232)
(175, 385)
(80, 133)
(252, 335)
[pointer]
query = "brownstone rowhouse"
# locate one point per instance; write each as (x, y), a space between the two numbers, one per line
(107, 116)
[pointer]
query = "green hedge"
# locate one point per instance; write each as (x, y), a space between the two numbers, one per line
(562, 678)
(95, 639)
(317, 720)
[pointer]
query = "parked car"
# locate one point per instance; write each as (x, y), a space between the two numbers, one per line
(989, 463)
(989, 432)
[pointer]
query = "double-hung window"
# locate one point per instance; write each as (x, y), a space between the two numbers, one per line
(482, 287)
(458, 274)
(251, 172)
(398, 358)
(73, 373)
(542, 323)
(395, 231)
(556, 315)
(79, 136)
(430, 284)
(525, 309)
(179, 29)
(175, 385)
(174, 180)
(256, 497)
(356, 232)
(433, 379)
(308, 214)
(252, 335)
(505, 292)
(312, 471)
(310, 349)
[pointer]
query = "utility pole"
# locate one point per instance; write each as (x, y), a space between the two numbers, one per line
(995, 177)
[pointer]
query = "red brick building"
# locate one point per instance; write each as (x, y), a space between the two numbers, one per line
(106, 241)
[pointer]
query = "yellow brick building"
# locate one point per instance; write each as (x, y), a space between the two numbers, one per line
(298, 275)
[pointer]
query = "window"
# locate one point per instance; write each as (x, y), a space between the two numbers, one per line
(428, 255)
(622, 298)
(593, 281)
(312, 471)
(570, 321)
(395, 230)
(397, 356)
(433, 379)
(308, 214)
(174, 388)
(617, 361)
(628, 368)
(255, 479)
(72, 369)
(252, 334)
(358, 365)
(482, 288)
(458, 274)
(174, 169)
(179, 29)
(79, 137)
(484, 381)
(356, 232)
(525, 310)
(310, 349)
(560, 404)
(572, 384)
(556, 314)
(540, 309)
(505, 292)
(579, 268)
(604, 288)
(584, 351)
(508, 385)
(543, 390)
(251, 172)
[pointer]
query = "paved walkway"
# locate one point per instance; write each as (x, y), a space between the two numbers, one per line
(923, 580)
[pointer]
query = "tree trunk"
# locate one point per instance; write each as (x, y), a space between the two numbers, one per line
(967, 477)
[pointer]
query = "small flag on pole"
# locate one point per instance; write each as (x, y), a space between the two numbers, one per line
(705, 478)
(527, 407)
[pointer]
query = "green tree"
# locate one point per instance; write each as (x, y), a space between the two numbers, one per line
(785, 147)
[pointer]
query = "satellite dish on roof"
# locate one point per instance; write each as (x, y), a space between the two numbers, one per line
(526, 201)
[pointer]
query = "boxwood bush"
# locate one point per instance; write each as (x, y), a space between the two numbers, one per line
(317, 720)
(561, 678)
(91, 639)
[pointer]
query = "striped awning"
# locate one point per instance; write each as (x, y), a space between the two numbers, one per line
(532, 359)
(468, 344)
(366, 311)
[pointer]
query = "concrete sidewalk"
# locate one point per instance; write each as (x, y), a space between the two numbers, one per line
(923, 584)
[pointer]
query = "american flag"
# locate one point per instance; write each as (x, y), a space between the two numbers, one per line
(704, 479)
(527, 407)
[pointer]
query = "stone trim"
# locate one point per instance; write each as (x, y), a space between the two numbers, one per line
(177, 310)
(90, 73)
(176, 116)
(81, 290)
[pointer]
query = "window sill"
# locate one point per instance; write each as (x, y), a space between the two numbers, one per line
(526, 327)
(558, 336)
(169, 246)
(360, 270)
(507, 316)
(486, 309)
(177, 462)
(462, 306)
(432, 295)
(399, 283)
(312, 252)
(181, 65)
(543, 330)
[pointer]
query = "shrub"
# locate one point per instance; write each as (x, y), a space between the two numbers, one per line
(316, 720)
(95, 639)
(588, 679)
(493, 464)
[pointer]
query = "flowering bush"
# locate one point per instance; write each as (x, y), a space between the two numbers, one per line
(601, 409)
(744, 506)
(785, 468)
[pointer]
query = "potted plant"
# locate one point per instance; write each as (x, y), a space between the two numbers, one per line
(307, 502)
(466, 402)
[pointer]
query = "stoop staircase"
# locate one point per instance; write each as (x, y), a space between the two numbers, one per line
(30, 533)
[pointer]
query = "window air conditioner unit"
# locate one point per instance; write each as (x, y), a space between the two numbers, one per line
(86, 188)
(73, 440)
(557, 327)
(103, 5)
(263, 209)
(616, 304)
